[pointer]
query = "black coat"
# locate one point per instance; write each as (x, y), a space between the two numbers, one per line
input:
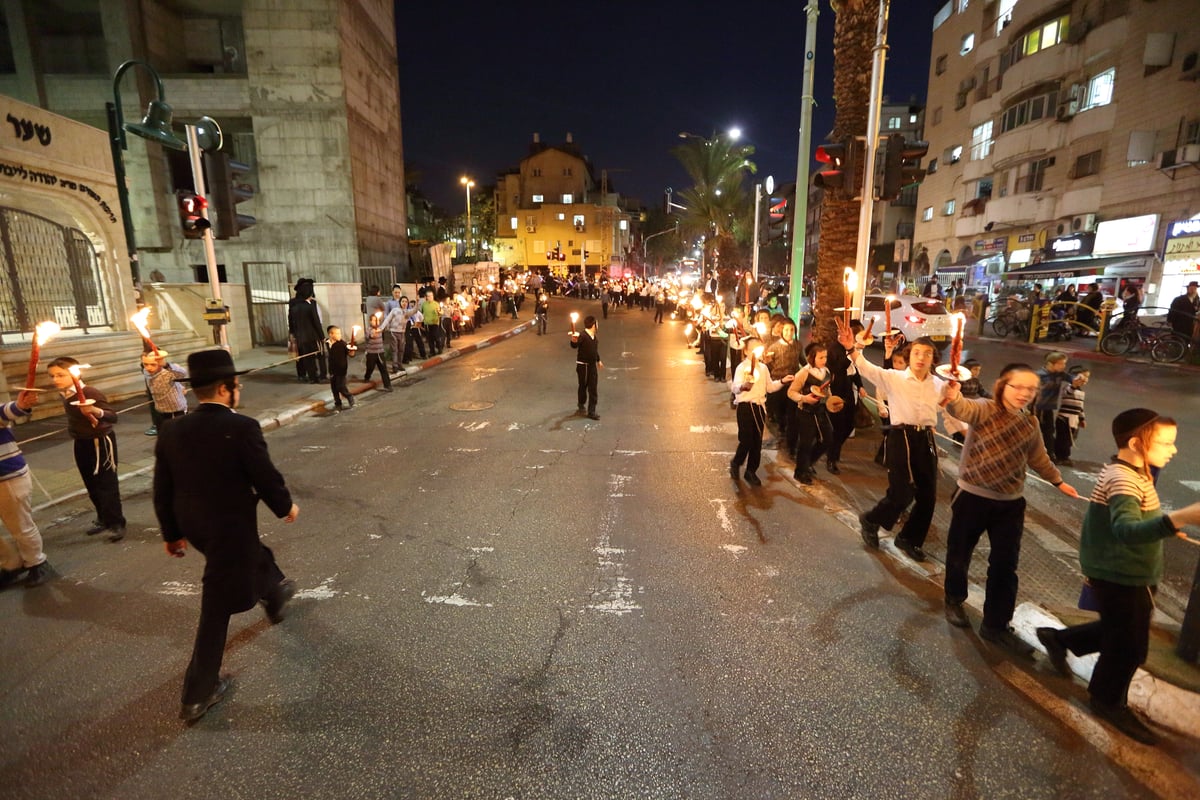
(588, 347)
(304, 321)
(211, 469)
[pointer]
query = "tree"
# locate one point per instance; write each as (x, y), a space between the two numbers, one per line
(718, 206)
(853, 41)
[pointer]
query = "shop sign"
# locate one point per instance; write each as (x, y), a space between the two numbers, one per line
(1128, 235)
(1077, 244)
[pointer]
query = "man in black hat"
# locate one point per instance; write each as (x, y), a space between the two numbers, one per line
(211, 469)
(1184, 311)
(304, 324)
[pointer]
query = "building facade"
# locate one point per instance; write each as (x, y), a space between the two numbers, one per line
(307, 97)
(550, 212)
(1064, 145)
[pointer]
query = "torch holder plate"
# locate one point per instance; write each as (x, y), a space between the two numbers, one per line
(947, 372)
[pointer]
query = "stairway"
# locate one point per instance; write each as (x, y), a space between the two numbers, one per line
(115, 359)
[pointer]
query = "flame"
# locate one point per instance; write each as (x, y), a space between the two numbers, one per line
(761, 327)
(76, 369)
(574, 316)
(46, 330)
(355, 330)
(139, 321)
(378, 315)
(848, 277)
(758, 352)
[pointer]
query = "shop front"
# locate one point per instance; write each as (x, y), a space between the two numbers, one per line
(1181, 259)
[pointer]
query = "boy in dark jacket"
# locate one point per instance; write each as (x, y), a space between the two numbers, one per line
(340, 354)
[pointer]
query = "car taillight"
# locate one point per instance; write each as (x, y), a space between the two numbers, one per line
(914, 319)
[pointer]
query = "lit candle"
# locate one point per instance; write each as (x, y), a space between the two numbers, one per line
(887, 314)
(354, 329)
(74, 370)
(749, 279)
(755, 355)
(574, 319)
(139, 321)
(42, 334)
(847, 281)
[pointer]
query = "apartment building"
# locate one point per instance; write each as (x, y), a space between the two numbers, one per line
(1064, 145)
(551, 212)
(307, 97)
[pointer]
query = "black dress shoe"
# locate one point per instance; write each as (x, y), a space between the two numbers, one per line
(1121, 718)
(593, 415)
(279, 598)
(190, 712)
(913, 551)
(833, 468)
(753, 479)
(1055, 651)
(97, 527)
(956, 615)
(116, 533)
(1007, 638)
(734, 470)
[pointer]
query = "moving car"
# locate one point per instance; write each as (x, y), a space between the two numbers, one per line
(913, 316)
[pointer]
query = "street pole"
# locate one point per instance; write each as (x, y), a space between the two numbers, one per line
(866, 209)
(210, 252)
(118, 159)
(800, 201)
(468, 183)
(757, 214)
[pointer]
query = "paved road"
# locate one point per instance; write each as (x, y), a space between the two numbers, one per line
(517, 602)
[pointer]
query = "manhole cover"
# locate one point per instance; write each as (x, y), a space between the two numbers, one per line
(471, 405)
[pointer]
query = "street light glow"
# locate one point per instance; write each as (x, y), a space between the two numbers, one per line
(735, 133)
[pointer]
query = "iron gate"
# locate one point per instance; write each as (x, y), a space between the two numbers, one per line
(47, 272)
(269, 288)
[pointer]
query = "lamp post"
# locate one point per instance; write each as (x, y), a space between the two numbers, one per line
(468, 183)
(651, 236)
(155, 126)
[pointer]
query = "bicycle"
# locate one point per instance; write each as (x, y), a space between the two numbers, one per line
(1013, 318)
(1162, 343)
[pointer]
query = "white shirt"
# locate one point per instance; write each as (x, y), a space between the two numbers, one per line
(910, 401)
(762, 383)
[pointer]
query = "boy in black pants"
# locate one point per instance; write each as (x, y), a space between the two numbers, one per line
(340, 354)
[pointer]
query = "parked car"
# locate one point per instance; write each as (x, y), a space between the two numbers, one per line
(913, 316)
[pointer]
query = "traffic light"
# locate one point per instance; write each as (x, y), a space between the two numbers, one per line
(900, 170)
(227, 189)
(585, 255)
(842, 159)
(190, 205)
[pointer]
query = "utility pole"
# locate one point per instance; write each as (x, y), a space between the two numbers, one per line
(800, 201)
(863, 256)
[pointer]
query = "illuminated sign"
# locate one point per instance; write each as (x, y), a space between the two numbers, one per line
(1128, 235)
(1183, 227)
(1077, 244)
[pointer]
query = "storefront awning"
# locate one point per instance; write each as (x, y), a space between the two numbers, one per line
(1106, 265)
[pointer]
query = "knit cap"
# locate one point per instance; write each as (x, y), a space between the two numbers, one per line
(1127, 423)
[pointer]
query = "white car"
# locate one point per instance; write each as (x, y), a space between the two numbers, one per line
(913, 316)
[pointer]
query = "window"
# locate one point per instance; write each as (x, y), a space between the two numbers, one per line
(967, 44)
(512, 223)
(537, 172)
(983, 188)
(981, 141)
(1004, 14)
(1086, 164)
(940, 65)
(948, 208)
(937, 115)
(912, 119)
(893, 123)
(562, 217)
(955, 154)
(538, 198)
(1100, 89)
(567, 199)
(1040, 38)
(1192, 136)
(1034, 179)
(566, 172)
(932, 168)
(623, 225)
(1029, 110)
(577, 221)
(962, 6)
(927, 214)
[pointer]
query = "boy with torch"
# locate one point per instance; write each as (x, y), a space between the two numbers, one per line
(751, 382)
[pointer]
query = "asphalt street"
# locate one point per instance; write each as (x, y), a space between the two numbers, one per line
(500, 599)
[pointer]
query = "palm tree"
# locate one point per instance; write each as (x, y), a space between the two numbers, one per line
(853, 41)
(718, 206)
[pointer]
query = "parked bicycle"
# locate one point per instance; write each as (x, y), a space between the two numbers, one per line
(1013, 318)
(1133, 337)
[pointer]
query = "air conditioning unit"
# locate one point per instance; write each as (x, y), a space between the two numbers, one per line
(530, 228)
(1184, 156)
(1084, 223)
(579, 228)
(1066, 110)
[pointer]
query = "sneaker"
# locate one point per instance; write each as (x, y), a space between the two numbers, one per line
(956, 615)
(870, 531)
(1124, 720)
(1006, 638)
(1055, 650)
(38, 574)
(151, 431)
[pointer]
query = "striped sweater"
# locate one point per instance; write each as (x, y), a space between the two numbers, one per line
(999, 445)
(1123, 529)
(12, 463)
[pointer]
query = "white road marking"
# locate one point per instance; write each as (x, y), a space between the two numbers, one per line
(615, 593)
(1193, 485)
(464, 449)
(474, 426)
(515, 426)
(179, 588)
(455, 599)
(735, 549)
(323, 592)
(727, 427)
(631, 452)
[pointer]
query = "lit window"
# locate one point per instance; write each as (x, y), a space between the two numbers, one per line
(512, 222)
(1100, 89)
(981, 141)
(956, 153)
(562, 217)
(893, 123)
(927, 214)
(537, 198)
(912, 119)
(962, 6)
(567, 199)
(967, 45)
(1004, 14)
(948, 208)
(624, 225)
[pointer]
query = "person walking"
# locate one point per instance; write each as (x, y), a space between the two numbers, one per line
(1002, 440)
(211, 470)
(1121, 555)
(16, 509)
(751, 382)
(587, 366)
(911, 457)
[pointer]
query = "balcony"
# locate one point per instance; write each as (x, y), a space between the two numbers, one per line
(1047, 65)
(1021, 209)
(1031, 139)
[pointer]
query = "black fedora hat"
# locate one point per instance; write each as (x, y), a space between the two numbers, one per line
(206, 367)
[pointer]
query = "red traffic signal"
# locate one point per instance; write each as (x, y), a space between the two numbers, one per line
(841, 158)
(900, 169)
(191, 214)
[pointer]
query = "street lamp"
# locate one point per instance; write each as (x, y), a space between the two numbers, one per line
(468, 183)
(155, 126)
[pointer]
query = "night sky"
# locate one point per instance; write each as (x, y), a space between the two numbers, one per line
(478, 79)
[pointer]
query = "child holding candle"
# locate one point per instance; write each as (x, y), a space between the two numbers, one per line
(339, 362)
(90, 420)
(814, 432)
(751, 383)
(375, 352)
(167, 399)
